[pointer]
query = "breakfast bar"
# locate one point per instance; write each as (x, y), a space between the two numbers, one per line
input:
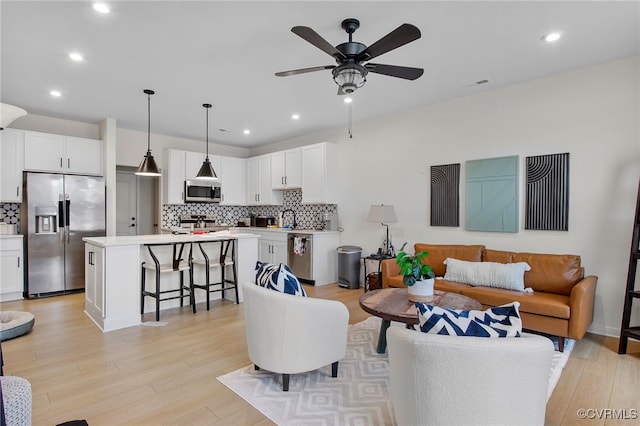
(113, 278)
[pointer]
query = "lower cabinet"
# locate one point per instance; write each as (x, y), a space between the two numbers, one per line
(272, 251)
(94, 280)
(11, 268)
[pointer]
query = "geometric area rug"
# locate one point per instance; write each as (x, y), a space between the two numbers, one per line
(358, 396)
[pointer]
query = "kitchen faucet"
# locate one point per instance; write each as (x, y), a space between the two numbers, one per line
(294, 217)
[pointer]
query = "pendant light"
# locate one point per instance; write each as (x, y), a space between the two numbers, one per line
(206, 171)
(148, 166)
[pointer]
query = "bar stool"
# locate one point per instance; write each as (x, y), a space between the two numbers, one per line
(177, 264)
(226, 260)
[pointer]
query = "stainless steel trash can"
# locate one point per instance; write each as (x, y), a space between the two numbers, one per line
(349, 266)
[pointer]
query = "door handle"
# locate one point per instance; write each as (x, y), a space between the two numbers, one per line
(68, 163)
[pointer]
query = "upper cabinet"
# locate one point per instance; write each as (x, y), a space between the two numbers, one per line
(319, 184)
(62, 154)
(11, 165)
(173, 172)
(259, 190)
(233, 177)
(179, 166)
(193, 161)
(286, 169)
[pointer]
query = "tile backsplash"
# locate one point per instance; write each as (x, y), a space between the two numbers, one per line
(307, 215)
(10, 213)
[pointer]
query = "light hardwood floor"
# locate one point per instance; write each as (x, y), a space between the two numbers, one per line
(167, 375)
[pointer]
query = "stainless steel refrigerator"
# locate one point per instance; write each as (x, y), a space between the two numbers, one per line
(59, 210)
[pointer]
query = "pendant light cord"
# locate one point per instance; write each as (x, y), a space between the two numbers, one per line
(207, 132)
(148, 122)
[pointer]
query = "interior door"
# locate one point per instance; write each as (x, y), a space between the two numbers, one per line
(126, 203)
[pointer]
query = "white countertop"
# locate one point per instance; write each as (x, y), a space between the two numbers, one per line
(285, 230)
(163, 238)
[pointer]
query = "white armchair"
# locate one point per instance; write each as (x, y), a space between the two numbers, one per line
(436, 379)
(289, 334)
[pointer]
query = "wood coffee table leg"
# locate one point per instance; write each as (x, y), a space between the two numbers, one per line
(382, 338)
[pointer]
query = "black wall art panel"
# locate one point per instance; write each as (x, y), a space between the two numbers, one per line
(547, 192)
(445, 195)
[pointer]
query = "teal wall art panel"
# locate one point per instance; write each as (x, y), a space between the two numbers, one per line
(492, 195)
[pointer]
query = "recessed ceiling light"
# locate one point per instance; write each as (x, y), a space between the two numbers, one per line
(55, 93)
(348, 100)
(101, 7)
(75, 56)
(247, 132)
(295, 116)
(551, 37)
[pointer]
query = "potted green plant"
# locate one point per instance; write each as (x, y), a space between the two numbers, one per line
(416, 275)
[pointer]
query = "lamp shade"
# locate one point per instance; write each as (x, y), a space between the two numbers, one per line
(382, 214)
(8, 113)
(206, 171)
(148, 166)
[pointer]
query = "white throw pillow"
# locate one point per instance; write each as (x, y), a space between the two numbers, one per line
(509, 276)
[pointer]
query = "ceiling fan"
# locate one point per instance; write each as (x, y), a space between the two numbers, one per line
(350, 73)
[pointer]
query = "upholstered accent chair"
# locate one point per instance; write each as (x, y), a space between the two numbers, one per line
(289, 334)
(461, 380)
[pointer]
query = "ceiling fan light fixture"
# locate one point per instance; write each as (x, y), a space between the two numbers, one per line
(350, 77)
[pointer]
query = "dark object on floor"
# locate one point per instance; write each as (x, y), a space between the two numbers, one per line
(74, 423)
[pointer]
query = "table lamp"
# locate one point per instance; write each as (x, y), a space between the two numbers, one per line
(383, 215)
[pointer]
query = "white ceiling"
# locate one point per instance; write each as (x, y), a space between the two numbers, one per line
(226, 54)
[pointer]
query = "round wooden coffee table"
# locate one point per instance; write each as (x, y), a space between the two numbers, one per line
(392, 304)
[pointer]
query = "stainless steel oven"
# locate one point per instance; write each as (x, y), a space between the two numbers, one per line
(202, 191)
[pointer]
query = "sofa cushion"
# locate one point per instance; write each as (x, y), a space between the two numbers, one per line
(539, 303)
(487, 274)
(279, 278)
(500, 321)
(395, 281)
(551, 273)
(489, 255)
(449, 286)
(439, 252)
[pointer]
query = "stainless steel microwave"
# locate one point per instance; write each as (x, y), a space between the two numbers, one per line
(202, 191)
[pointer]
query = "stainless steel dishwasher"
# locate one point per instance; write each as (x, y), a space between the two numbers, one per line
(300, 252)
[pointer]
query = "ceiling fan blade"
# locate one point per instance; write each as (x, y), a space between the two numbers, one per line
(407, 73)
(304, 70)
(314, 38)
(405, 33)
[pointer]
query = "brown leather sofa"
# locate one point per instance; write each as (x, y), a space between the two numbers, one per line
(562, 300)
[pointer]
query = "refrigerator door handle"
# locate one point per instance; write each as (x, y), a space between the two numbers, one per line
(67, 215)
(61, 228)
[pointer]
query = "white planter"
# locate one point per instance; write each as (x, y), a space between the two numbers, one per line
(421, 291)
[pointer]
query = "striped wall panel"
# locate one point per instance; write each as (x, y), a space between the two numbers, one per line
(445, 195)
(547, 192)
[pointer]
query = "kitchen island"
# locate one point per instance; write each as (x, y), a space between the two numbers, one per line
(113, 272)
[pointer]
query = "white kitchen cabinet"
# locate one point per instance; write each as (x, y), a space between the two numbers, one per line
(11, 268)
(193, 161)
(233, 178)
(94, 280)
(173, 172)
(259, 190)
(11, 165)
(272, 247)
(62, 154)
(286, 169)
(319, 183)
(179, 166)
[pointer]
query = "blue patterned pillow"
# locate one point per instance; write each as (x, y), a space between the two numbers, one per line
(500, 321)
(279, 278)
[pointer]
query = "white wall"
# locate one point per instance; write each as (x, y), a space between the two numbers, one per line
(592, 113)
(132, 146)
